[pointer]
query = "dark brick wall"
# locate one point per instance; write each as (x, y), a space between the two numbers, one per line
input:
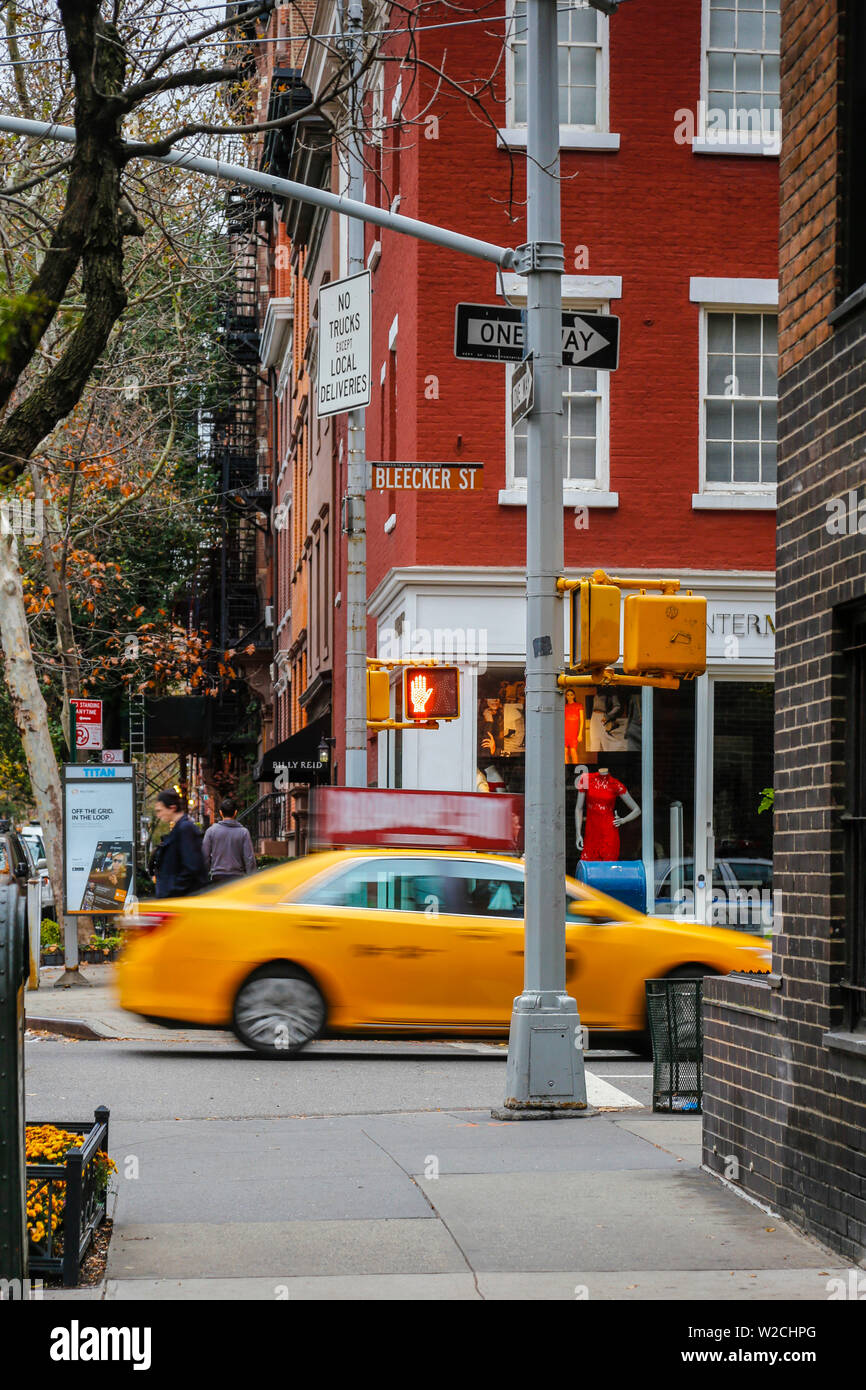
(785, 1110)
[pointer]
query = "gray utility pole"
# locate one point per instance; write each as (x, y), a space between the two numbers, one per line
(355, 522)
(545, 1054)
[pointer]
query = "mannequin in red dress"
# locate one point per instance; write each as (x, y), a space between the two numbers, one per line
(599, 793)
(574, 726)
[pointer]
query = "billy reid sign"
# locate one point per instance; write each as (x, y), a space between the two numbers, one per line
(344, 378)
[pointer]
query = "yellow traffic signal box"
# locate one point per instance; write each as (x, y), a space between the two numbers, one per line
(431, 692)
(378, 697)
(594, 625)
(665, 633)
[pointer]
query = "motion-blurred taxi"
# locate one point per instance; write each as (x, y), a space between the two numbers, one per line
(414, 941)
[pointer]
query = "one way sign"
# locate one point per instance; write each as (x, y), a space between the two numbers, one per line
(496, 333)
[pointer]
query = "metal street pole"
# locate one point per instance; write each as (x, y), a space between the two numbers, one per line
(356, 492)
(545, 1057)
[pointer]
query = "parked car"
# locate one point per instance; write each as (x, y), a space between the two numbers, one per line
(742, 891)
(31, 834)
(15, 864)
(411, 941)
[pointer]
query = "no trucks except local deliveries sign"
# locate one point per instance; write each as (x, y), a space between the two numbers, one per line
(344, 379)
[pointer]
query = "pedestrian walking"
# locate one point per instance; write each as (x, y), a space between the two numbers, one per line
(228, 846)
(178, 862)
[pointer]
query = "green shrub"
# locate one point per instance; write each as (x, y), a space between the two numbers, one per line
(52, 933)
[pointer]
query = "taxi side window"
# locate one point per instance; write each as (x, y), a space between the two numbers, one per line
(485, 891)
(383, 885)
(353, 887)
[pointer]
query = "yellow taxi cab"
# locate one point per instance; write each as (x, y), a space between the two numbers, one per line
(411, 941)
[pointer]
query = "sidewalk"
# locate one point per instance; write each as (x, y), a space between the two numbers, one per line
(245, 1179)
(96, 1007)
(444, 1206)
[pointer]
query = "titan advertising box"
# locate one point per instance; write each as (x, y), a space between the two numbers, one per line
(98, 837)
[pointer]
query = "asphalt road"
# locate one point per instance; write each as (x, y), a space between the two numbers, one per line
(66, 1078)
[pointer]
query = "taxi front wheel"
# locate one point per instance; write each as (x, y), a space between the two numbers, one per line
(278, 1009)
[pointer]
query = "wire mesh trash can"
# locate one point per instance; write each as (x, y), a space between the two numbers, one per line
(674, 1017)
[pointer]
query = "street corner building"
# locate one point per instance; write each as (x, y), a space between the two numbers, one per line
(785, 1056)
(668, 458)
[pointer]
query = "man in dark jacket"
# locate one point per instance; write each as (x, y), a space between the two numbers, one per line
(228, 847)
(179, 862)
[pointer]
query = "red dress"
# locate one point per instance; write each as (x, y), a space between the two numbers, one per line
(574, 717)
(600, 835)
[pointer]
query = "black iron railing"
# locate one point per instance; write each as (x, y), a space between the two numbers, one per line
(75, 1189)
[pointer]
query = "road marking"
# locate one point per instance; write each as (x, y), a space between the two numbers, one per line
(603, 1096)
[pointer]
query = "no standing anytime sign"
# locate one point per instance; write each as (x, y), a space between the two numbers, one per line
(344, 377)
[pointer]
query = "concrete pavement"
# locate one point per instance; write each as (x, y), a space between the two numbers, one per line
(352, 1176)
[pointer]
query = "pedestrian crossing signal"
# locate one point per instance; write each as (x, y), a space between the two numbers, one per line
(594, 625)
(664, 634)
(431, 692)
(378, 697)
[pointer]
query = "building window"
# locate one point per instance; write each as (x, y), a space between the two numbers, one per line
(585, 414)
(738, 401)
(582, 67)
(741, 70)
(854, 817)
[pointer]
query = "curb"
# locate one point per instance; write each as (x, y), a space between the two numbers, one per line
(67, 1027)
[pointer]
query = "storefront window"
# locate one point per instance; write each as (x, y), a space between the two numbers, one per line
(674, 799)
(501, 729)
(603, 739)
(743, 835)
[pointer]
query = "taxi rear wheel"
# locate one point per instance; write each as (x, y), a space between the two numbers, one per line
(278, 1010)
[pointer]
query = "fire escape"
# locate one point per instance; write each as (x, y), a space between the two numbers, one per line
(233, 611)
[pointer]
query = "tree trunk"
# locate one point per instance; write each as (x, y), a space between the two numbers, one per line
(31, 719)
(66, 644)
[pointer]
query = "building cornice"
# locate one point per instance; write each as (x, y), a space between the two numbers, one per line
(279, 317)
(477, 581)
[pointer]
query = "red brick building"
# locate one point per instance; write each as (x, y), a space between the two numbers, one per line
(669, 166)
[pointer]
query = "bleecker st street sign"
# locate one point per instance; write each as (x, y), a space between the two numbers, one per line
(496, 333)
(425, 477)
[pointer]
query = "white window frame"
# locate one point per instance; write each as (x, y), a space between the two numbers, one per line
(705, 142)
(574, 493)
(597, 136)
(728, 297)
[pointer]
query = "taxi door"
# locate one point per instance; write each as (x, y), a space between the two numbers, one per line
(386, 927)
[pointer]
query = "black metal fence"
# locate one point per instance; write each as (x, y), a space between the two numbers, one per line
(74, 1189)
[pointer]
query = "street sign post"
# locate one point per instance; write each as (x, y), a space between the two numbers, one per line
(522, 391)
(425, 477)
(497, 333)
(344, 380)
(88, 725)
